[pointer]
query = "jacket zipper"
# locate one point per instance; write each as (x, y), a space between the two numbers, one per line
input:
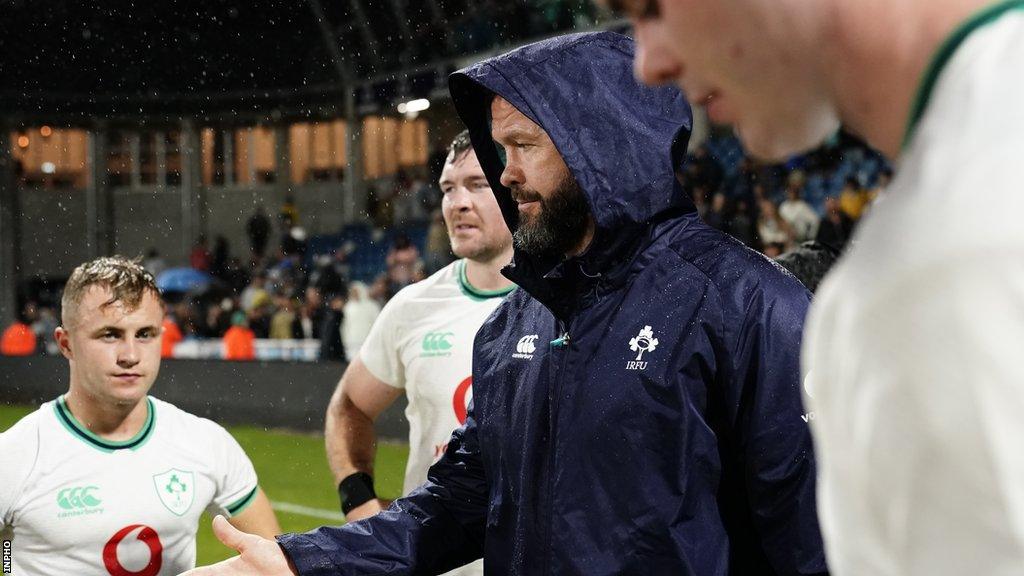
(561, 344)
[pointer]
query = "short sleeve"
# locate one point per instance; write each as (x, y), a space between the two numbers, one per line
(234, 475)
(380, 353)
(19, 451)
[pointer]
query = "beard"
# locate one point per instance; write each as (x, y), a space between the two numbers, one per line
(561, 223)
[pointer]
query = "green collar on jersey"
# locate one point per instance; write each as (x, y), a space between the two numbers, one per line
(981, 18)
(68, 420)
(476, 293)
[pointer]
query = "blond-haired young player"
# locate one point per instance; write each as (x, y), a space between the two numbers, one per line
(106, 479)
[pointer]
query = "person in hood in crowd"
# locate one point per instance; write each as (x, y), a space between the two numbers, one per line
(359, 313)
(913, 343)
(636, 402)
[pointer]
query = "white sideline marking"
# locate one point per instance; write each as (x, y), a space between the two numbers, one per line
(307, 511)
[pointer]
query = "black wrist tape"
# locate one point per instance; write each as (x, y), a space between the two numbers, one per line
(355, 490)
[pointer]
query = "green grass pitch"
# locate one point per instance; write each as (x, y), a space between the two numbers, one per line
(292, 469)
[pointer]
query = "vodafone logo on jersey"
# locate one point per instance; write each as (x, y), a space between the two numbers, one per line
(141, 556)
(461, 399)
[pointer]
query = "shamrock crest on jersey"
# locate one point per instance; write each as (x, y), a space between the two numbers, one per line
(176, 490)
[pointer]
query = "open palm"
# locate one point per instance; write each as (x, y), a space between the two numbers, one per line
(256, 556)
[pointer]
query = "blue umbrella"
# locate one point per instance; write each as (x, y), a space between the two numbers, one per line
(182, 280)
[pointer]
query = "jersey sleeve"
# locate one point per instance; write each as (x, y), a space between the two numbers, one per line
(946, 423)
(19, 451)
(380, 352)
(235, 477)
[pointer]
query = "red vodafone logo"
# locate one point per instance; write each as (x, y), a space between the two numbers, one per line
(460, 400)
(147, 536)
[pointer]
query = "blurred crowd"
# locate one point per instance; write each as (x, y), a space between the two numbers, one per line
(768, 206)
(275, 289)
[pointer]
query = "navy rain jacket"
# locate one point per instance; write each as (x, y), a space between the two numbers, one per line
(636, 409)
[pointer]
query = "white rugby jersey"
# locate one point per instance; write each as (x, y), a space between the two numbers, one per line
(915, 341)
(78, 504)
(423, 342)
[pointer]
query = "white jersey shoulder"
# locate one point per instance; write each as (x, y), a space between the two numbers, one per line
(914, 339)
(87, 505)
(19, 455)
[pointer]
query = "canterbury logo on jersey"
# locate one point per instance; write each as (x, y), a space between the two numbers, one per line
(437, 344)
(526, 347)
(78, 501)
(78, 497)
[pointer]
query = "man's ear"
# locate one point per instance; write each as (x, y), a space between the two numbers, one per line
(63, 339)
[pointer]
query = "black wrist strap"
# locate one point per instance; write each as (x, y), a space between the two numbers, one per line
(355, 490)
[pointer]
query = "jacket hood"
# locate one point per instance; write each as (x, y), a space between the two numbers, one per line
(623, 141)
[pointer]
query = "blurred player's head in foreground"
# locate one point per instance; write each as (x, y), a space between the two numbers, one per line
(554, 217)
(476, 228)
(110, 331)
(784, 72)
(744, 62)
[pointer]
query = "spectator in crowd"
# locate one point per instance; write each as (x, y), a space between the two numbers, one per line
(200, 257)
(221, 253)
(235, 275)
(716, 216)
(281, 322)
(217, 319)
(326, 277)
(258, 230)
(426, 195)
(771, 228)
(239, 340)
(741, 226)
(293, 239)
(742, 184)
(331, 347)
(289, 212)
(401, 262)
(154, 262)
(359, 313)
(380, 290)
(836, 227)
(310, 315)
(253, 291)
(260, 316)
(853, 199)
(802, 219)
(376, 207)
(185, 316)
(170, 336)
(19, 339)
(43, 326)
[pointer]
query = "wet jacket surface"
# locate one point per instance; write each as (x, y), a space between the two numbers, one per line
(636, 409)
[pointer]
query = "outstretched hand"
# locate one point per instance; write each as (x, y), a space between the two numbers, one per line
(256, 556)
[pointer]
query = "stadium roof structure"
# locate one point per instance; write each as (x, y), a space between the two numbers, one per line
(216, 58)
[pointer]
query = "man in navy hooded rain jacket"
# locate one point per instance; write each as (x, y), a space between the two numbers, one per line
(636, 405)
